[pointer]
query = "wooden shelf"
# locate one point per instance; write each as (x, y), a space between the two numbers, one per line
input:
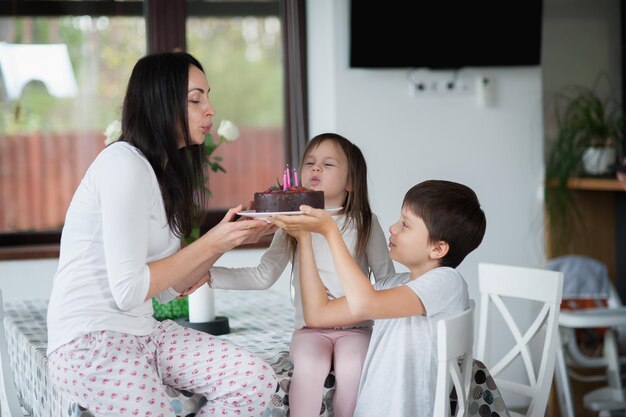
(595, 184)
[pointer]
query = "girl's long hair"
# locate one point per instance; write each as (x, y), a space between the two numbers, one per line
(154, 118)
(356, 205)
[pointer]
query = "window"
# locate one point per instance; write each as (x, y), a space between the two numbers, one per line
(48, 140)
(242, 58)
(48, 137)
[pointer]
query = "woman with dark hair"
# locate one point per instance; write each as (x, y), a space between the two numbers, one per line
(120, 247)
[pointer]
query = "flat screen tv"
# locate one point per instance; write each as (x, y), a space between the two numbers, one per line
(445, 34)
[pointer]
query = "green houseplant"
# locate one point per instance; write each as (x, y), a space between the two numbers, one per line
(589, 131)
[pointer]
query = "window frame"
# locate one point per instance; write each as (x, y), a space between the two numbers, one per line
(45, 244)
(55, 8)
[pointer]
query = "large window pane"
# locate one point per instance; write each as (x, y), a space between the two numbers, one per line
(47, 142)
(242, 58)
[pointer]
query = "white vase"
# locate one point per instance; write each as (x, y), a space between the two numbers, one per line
(598, 160)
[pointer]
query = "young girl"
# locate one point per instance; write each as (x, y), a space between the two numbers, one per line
(336, 166)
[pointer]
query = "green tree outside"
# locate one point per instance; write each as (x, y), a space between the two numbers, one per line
(241, 56)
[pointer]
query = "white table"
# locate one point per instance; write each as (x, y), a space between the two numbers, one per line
(260, 321)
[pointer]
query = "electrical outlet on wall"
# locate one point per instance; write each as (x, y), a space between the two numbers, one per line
(417, 88)
(440, 84)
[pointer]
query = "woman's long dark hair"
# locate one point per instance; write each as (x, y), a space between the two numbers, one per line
(154, 119)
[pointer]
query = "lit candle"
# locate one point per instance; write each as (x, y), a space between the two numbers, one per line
(295, 177)
(201, 305)
(285, 180)
(288, 177)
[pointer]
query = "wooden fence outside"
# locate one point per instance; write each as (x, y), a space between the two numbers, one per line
(40, 172)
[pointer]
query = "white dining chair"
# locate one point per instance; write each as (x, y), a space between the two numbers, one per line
(10, 406)
(519, 349)
(455, 340)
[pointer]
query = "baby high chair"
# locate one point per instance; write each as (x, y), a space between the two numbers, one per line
(589, 327)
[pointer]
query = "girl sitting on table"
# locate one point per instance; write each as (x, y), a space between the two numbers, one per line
(333, 164)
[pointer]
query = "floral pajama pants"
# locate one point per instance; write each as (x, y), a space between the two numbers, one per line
(116, 374)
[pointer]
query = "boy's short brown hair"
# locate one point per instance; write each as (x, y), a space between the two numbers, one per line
(452, 213)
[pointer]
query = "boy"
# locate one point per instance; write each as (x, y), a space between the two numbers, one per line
(440, 223)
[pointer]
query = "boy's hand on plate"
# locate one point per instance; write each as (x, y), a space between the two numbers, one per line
(312, 220)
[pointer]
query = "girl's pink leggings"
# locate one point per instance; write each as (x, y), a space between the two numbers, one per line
(313, 351)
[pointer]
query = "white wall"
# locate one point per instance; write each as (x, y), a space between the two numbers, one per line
(581, 39)
(28, 279)
(496, 150)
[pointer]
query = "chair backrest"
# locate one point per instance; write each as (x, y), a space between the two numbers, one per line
(584, 278)
(10, 401)
(544, 289)
(455, 339)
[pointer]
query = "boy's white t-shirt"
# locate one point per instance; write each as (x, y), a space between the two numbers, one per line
(399, 375)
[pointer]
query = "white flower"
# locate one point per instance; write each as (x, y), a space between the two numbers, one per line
(228, 131)
(112, 132)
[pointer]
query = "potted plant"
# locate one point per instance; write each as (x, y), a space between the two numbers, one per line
(587, 144)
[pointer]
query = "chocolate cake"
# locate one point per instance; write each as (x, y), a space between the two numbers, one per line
(275, 199)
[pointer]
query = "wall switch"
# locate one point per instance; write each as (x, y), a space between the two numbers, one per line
(485, 91)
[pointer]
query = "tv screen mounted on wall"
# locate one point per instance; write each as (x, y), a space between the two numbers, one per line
(440, 34)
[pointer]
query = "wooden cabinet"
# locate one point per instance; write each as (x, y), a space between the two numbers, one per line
(602, 235)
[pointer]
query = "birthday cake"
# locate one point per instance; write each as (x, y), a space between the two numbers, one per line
(276, 199)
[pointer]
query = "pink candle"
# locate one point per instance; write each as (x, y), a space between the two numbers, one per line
(285, 180)
(288, 176)
(295, 177)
